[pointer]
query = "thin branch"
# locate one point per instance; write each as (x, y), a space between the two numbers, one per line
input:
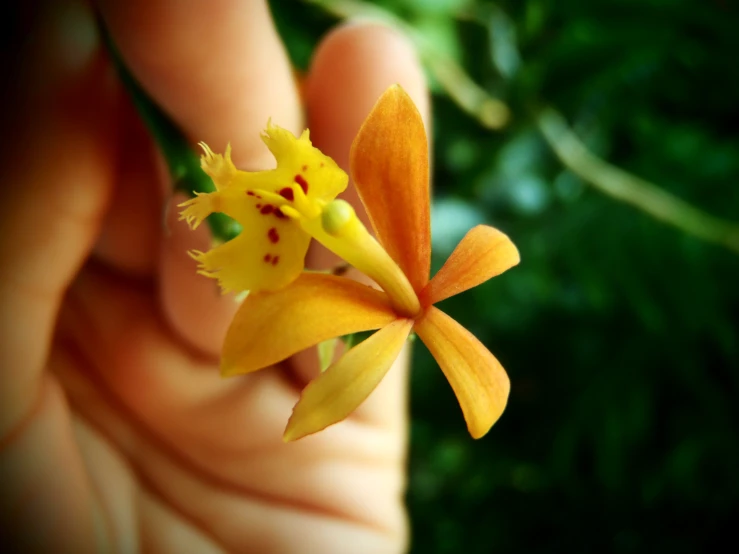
(494, 114)
(631, 189)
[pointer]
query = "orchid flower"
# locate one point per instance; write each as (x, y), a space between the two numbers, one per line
(293, 311)
(270, 251)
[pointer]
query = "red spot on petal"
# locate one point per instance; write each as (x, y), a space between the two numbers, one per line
(279, 214)
(259, 206)
(322, 164)
(267, 258)
(273, 236)
(305, 168)
(267, 209)
(250, 193)
(302, 182)
(259, 197)
(275, 260)
(287, 194)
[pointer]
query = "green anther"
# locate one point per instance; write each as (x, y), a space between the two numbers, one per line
(336, 216)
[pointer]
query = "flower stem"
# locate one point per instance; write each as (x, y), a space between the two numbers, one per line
(631, 189)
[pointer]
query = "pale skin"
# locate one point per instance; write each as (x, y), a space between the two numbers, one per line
(117, 433)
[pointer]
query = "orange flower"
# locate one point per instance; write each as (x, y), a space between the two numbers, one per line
(389, 165)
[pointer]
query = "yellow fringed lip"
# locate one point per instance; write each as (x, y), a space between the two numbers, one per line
(270, 251)
(390, 168)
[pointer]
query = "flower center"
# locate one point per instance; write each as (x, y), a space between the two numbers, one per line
(293, 200)
(341, 231)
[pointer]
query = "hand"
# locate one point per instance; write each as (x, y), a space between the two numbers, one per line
(117, 432)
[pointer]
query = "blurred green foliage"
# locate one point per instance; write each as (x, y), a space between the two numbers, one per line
(620, 334)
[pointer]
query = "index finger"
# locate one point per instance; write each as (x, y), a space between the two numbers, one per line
(220, 71)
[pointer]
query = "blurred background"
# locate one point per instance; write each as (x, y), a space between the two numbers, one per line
(602, 136)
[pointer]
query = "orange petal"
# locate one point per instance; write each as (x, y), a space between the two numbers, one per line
(272, 326)
(337, 392)
(483, 253)
(390, 168)
(479, 381)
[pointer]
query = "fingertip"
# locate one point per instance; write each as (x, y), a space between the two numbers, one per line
(352, 67)
(219, 70)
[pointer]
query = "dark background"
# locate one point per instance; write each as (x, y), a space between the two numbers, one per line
(619, 332)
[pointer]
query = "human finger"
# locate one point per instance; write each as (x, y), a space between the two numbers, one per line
(351, 68)
(130, 235)
(220, 72)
